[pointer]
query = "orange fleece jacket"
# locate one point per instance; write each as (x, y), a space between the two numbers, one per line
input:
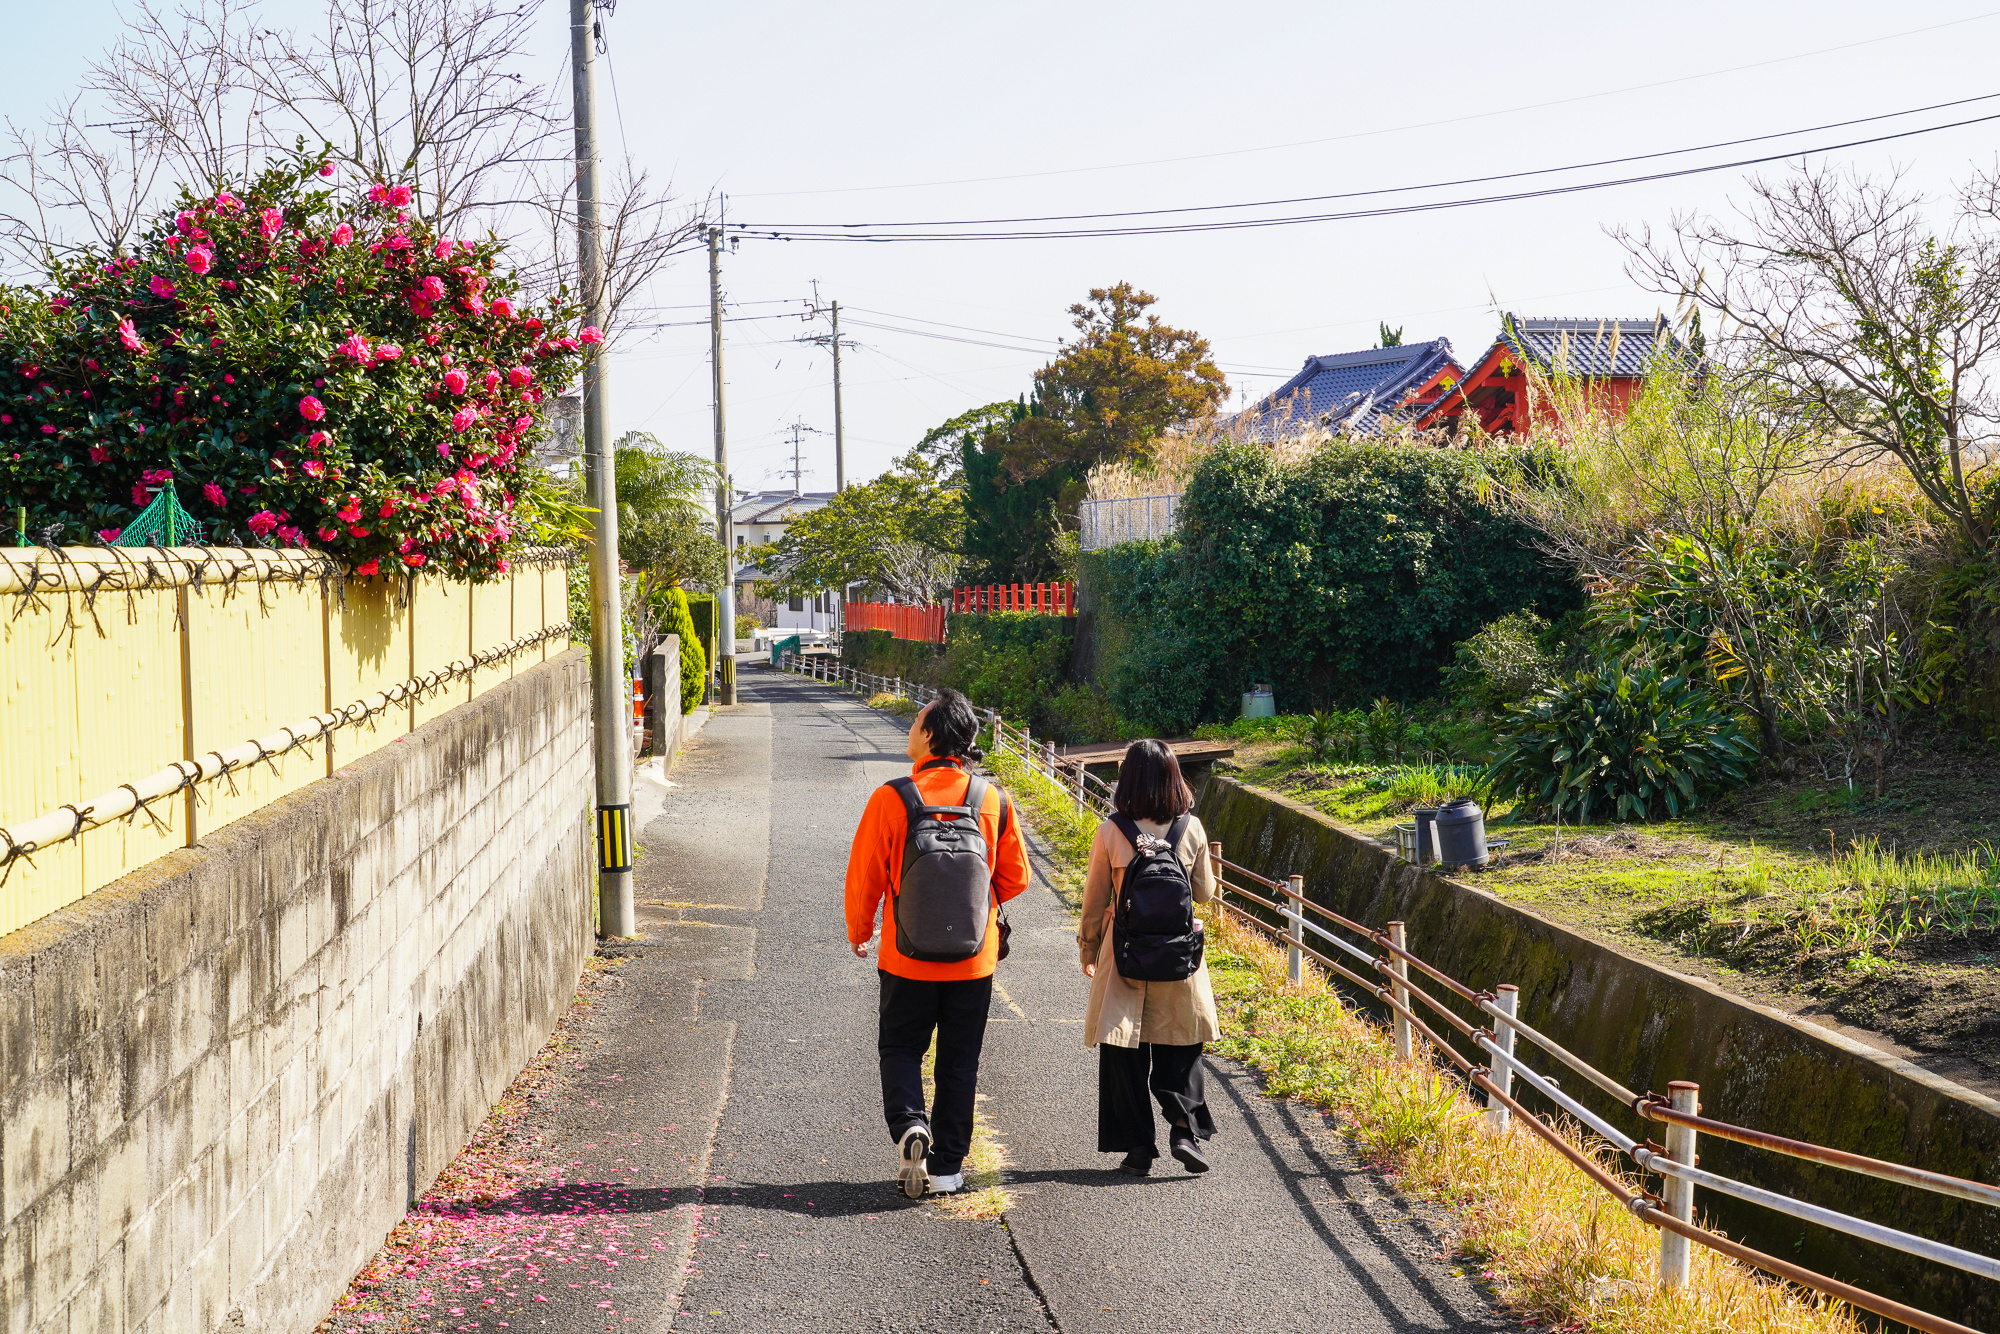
(875, 866)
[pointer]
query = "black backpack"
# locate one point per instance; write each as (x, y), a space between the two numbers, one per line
(945, 893)
(1154, 937)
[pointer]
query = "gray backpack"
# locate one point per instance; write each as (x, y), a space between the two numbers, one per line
(945, 894)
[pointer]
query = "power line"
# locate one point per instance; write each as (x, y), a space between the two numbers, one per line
(839, 232)
(1386, 130)
(1407, 189)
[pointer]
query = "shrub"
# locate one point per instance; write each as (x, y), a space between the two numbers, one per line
(1618, 741)
(694, 659)
(1507, 661)
(309, 370)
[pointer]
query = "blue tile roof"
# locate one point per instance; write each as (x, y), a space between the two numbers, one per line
(1352, 392)
(1616, 347)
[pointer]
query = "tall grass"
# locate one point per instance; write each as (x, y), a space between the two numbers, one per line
(1055, 817)
(1551, 1244)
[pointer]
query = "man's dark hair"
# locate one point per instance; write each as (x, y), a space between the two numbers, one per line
(952, 726)
(1150, 786)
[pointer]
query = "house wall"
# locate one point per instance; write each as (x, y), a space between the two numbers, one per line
(225, 1075)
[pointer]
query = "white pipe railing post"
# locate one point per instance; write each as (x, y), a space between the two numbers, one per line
(1295, 935)
(1507, 1000)
(1215, 868)
(1400, 970)
(1679, 1194)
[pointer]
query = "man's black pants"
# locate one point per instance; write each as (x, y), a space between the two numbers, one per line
(910, 1011)
(1124, 1077)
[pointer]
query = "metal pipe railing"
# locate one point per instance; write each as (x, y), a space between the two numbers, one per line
(1504, 1065)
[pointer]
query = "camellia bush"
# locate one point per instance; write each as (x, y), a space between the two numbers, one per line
(306, 369)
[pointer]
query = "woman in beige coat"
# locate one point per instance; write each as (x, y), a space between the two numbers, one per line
(1148, 1035)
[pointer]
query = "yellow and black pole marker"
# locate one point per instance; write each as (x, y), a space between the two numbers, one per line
(614, 838)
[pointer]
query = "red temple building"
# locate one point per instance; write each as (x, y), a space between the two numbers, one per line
(1608, 355)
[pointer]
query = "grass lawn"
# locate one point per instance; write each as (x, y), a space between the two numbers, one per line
(1882, 914)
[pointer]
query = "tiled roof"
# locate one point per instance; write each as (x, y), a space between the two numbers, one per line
(1351, 392)
(1588, 346)
(770, 506)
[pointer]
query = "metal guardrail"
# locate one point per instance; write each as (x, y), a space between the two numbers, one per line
(1385, 961)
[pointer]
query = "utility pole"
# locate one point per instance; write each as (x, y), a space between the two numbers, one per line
(724, 505)
(839, 426)
(798, 468)
(610, 712)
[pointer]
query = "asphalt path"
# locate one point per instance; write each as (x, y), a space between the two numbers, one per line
(800, 1225)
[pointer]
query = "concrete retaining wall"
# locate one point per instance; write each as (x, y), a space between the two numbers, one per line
(1646, 1025)
(223, 1077)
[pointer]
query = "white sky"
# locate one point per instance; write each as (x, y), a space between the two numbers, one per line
(811, 112)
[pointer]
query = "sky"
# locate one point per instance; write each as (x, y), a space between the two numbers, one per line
(793, 113)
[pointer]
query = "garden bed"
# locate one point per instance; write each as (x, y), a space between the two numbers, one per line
(1878, 917)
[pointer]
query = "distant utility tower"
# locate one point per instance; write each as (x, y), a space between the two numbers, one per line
(798, 470)
(834, 341)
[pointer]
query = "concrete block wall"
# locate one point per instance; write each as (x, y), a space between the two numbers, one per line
(224, 1077)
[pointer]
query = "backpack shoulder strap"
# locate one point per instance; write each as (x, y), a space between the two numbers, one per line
(1178, 830)
(913, 807)
(1006, 812)
(975, 795)
(1129, 828)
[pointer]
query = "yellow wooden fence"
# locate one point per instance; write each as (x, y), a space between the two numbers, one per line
(117, 663)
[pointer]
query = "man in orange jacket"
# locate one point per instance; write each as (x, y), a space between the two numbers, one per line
(919, 996)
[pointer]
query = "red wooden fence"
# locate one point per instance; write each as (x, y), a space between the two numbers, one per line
(1057, 599)
(904, 622)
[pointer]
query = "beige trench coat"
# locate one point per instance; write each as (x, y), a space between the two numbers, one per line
(1122, 1013)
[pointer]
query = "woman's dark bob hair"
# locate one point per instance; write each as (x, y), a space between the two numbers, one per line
(1150, 786)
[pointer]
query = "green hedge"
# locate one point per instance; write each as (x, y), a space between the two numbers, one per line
(1016, 662)
(1342, 578)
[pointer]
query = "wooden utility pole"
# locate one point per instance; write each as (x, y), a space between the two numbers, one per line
(610, 710)
(832, 340)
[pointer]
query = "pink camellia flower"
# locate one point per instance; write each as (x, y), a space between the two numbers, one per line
(227, 202)
(387, 352)
(444, 448)
(356, 347)
(462, 419)
(292, 537)
(314, 468)
(519, 377)
(454, 381)
(262, 522)
(378, 193)
(400, 196)
(444, 246)
(109, 534)
(326, 169)
(492, 381)
(200, 259)
(369, 567)
(591, 335)
(156, 476)
(317, 439)
(60, 303)
(99, 454)
(388, 508)
(161, 288)
(139, 496)
(415, 559)
(184, 222)
(129, 336)
(474, 303)
(503, 566)
(432, 287)
(215, 494)
(343, 234)
(311, 408)
(351, 511)
(328, 534)
(523, 422)
(504, 308)
(48, 430)
(271, 223)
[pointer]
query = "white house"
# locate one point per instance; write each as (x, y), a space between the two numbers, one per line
(760, 518)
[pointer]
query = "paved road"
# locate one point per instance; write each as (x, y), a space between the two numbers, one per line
(798, 1225)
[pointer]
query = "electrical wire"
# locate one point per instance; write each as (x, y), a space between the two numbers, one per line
(1409, 189)
(855, 232)
(1386, 130)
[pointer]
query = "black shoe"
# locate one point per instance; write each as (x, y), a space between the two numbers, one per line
(1137, 1163)
(1188, 1149)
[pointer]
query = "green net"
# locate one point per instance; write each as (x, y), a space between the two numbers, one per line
(163, 524)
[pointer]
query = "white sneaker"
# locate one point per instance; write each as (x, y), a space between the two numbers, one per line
(951, 1185)
(914, 1149)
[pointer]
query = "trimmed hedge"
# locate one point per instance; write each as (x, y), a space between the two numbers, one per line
(1344, 577)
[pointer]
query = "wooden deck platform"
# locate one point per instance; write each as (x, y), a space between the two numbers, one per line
(1108, 755)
